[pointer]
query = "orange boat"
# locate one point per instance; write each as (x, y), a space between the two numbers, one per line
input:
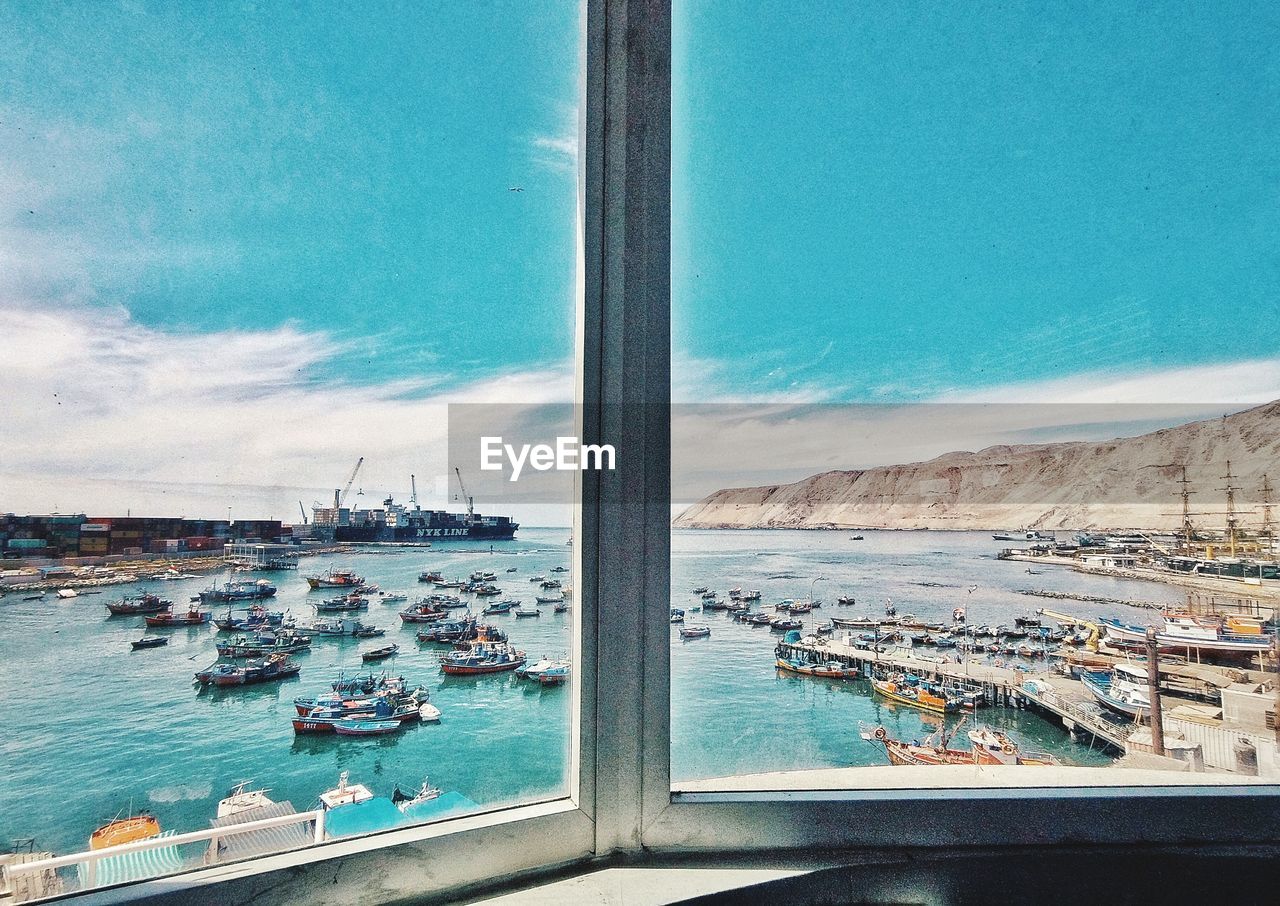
(915, 696)
(124, 830)
(904, 753)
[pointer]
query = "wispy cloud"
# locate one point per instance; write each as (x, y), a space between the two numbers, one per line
(99, 411)
(558, 151)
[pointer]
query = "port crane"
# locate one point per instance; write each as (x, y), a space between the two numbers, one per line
(340, 496)
(1091, 643)
(304, 512)
(471, 510)
(413, 491)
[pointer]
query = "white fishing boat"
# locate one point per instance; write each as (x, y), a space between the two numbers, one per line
(345, 793)
(243, 799)
(1235, 635)
(425, 793)
(1122, 689)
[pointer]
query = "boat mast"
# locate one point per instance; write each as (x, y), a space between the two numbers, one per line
(1188, 532)
(1266, 531)
(1232, 521)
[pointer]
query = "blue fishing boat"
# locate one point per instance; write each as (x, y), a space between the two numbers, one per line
(358, 727)
(245, 590)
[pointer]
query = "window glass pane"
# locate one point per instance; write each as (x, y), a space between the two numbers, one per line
(250, 254)
(974, 324)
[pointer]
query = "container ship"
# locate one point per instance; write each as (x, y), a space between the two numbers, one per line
(393, 522)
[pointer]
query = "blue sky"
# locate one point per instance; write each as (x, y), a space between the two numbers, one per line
(893, 201)
(340, 166)
(243, 244)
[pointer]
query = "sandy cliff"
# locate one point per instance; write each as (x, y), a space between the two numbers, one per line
(1122, 483)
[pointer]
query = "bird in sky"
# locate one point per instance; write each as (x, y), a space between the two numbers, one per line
(972, 589)
(515, 188)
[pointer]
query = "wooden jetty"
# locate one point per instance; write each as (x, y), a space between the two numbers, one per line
(1059, 696)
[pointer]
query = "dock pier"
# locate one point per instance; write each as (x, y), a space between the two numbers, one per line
(1059, 697)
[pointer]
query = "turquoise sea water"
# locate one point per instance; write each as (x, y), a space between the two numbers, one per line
(93, 728)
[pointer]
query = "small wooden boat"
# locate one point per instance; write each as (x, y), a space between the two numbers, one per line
(927, 752)
(378, 654)
(525, 611)
(677, 617)
(357, 727)
(500, 607)
(336, 578)
(138, 604)
(154, 641)
(361, 631)
(695, 632)
(555, 676)
(193, 617)
(821, 671)
(124, 830)
(431, 576)
(562, 607)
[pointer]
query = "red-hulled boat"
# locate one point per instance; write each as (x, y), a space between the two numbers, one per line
(481, 659)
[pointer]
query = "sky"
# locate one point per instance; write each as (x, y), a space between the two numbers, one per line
(242, 245)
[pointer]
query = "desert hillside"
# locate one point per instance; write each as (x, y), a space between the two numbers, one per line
(1122, 483)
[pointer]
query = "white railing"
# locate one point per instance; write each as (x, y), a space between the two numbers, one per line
(91, 858)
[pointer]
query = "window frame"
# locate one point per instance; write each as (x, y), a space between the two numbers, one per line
(621, 800)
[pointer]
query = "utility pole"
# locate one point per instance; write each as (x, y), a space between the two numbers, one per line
(1153, 690)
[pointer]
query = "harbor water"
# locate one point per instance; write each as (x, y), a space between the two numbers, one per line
(93, 729)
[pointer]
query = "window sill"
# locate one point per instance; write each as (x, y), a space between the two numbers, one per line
(867, 782)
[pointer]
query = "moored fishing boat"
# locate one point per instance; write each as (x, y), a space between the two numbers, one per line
(500, 607)
(481, 659)
(821, 671)
(524, 610)
(425, 793)
(193, 617)
(139, 604)
(262, 644)
(124, 830)
(355, 726)
(916, 697)
(430, 576)
(336, 578)
(453, 631)
(346, 604)
(991, 746)
(555, 676)
(243, 590)
(241, 799)
(542, 665)
(423, 612)
(925, 752)
(154, 641)
(378, 654)
(275, 667)
(256, 618)
(695, 632)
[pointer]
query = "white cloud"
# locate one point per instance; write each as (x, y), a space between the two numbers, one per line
(100, 413)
